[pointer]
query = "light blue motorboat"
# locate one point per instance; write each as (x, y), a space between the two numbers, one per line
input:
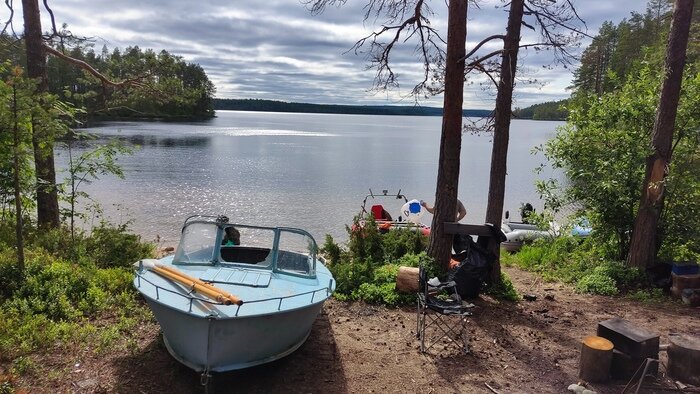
(275, 272)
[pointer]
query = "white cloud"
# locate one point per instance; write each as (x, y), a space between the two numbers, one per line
(276, 50)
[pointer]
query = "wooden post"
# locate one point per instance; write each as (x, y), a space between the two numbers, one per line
(407, 280)
(596, 356)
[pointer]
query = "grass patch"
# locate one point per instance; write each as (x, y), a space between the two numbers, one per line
(568, 260)
(503, 291)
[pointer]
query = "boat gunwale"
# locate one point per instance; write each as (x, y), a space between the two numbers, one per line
(329, 290)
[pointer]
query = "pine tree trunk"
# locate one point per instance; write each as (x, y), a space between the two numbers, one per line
(502, 115)
(643, 246)
(440, 247)
(46, 193)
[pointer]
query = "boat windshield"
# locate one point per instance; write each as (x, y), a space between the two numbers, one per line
(297, 253)
(242, 244)
(287, 250)
(197, 244)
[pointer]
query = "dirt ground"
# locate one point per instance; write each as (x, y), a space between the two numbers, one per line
(525, 347)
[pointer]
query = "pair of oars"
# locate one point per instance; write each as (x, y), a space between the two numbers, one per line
(194, 284)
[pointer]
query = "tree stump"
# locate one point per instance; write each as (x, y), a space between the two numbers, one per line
(407, 280)
(596, 356)
(684, 359)
(682, 282)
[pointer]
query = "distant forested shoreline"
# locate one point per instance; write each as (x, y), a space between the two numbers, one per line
(550, 110)
(282, 106)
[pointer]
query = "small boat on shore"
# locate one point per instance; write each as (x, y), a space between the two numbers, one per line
(407, 216)
(234, 296)
(519, 233)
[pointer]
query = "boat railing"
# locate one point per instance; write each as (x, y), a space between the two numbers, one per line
(191, 298)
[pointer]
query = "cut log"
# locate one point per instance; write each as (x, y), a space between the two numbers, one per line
(684, 359)
(596, 356)
(407, 280)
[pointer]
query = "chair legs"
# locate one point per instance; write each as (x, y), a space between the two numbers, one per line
(433, 328)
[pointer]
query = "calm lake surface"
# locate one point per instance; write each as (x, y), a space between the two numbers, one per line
(302, 170)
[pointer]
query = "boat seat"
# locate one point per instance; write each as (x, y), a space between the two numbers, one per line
(379, 212)
(243, 254)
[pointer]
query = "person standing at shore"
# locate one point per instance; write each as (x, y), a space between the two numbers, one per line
(461, 211)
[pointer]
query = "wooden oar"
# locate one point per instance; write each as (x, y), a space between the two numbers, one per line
(229, 296)
(192, 283)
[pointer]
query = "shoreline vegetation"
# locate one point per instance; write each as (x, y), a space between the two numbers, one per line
(552, 110)
(283, 106)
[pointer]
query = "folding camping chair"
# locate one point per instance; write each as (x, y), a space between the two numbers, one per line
(440, 319)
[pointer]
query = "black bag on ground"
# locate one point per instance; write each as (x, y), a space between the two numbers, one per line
(473, 268)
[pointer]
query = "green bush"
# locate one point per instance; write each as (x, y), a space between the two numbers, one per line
(331, 251)
(350, 275)
(504, 291)
(400, 242)
(366, 270)
(10, 274)
(115, 247)
(647, 295)
(58, 243)
(580, 263)
(597, 284)
(365, 242)
(62, 290)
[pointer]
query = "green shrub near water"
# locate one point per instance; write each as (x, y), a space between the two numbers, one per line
(60, 299)
(366, 270)
(569, 260)
(106, 245)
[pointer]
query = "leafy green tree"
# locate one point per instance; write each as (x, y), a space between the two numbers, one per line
(15, 127)
(21, 108)
(603, 151)
(89, 166)
(617, 49)
(162, 85)
(643, 247)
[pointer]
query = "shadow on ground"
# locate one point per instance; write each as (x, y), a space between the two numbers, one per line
(314, 367)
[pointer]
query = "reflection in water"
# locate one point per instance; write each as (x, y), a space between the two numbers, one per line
(302, 170)
(164, 141)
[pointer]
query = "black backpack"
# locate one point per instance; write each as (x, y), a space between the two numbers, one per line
(474, 267)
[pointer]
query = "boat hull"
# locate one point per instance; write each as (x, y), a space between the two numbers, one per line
(225, 344)
(519, 233)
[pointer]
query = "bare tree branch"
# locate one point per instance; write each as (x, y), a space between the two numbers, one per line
(404, 20)
(85, 66)
(485, 57)
(480, 44)
(8, 4)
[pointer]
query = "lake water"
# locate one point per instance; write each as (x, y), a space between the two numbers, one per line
(302, 170)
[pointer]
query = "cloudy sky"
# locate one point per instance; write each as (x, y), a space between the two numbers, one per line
(275, 49)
